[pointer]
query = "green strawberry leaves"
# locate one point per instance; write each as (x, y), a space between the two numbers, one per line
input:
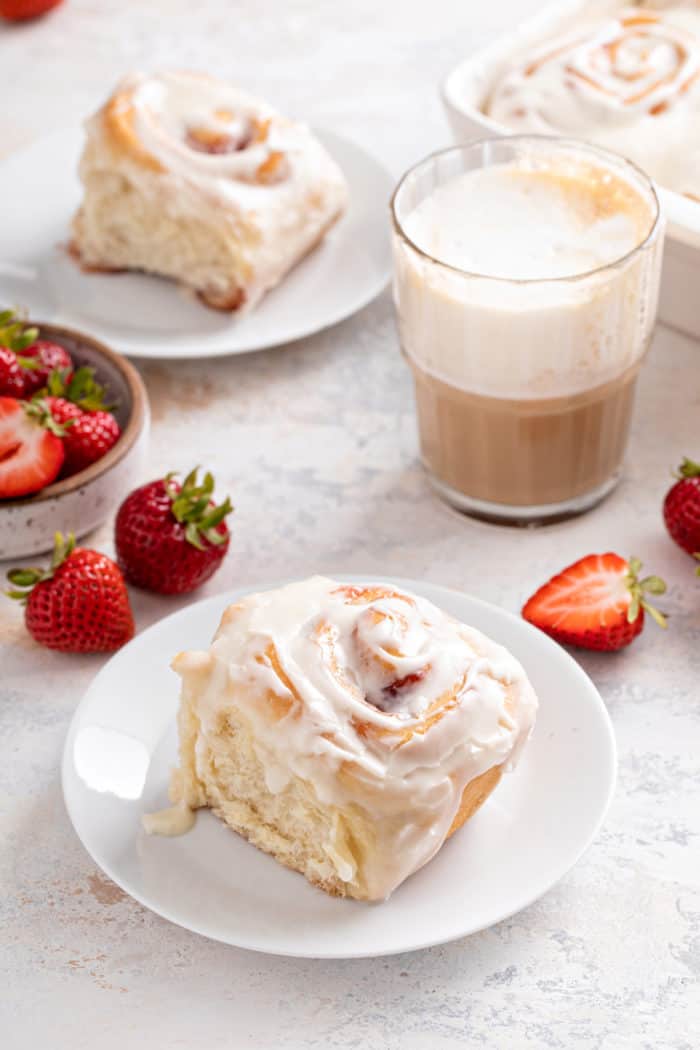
(79, 386)
(24, 580)
(191, 504)
(639, 589)
(39, 410)
(14, 335)
(688, 469)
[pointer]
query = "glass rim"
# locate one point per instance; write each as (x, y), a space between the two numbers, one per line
(585, 147)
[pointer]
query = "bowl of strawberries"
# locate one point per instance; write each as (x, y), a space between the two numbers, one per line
(74, 424)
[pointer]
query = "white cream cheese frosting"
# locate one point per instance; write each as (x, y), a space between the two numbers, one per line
(220, 138)
(627, 78)
(393, 707)
(190, 177)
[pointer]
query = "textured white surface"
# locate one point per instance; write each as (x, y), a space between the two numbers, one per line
(316, 443)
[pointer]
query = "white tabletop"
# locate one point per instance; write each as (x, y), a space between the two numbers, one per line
(316, 443)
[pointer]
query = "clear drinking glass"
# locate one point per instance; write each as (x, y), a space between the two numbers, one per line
(524, 388)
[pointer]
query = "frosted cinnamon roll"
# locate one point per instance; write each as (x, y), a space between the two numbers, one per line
(628, 80)
(347, 730)
(188, 177)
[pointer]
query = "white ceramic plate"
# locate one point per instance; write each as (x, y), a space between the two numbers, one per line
(122, 744)
(150, 317)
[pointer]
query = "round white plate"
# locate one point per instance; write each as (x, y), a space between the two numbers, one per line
(150, 317)
(122, 744)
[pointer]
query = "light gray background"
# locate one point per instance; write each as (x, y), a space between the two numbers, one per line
(316, 444)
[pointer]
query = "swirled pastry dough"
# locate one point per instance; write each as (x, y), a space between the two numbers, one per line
(188, 177)
(627, 78)
(347, 730)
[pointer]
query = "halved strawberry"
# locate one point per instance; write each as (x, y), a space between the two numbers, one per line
(31, 452)
(597, 603)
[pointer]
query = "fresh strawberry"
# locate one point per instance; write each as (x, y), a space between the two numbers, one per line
(11, 374)
(79, 604)
(171, 537)
(88, 438)
(596, 603)
(78, 387)
(36, 358)
(62, 411)
(21, 10)
(14, 341)
(76, 401)
(41, 359)
(31, 449)
(682, 507)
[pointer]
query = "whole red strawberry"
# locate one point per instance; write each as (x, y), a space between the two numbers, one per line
(34, 358)
(89, 437)
(14, 340)
(171, 537)
(79, 604)
(596, 603)
(682, 507)
(39, 360)
(31, 448)
(61, 410)
(76, 401)
(11, 374)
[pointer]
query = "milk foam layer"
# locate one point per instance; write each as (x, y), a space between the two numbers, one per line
(626, 78)
(550, 213)
(512, 222)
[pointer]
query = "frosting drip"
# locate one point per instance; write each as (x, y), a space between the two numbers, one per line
(374, 696)
(174, 820)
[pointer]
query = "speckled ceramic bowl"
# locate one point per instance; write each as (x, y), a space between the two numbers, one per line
(82, 502)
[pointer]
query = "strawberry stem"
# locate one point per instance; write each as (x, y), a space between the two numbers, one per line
(688, 469)
(639, 589)
(191, 504)
(38, 410)
(79, 387)
(14, 335)
(24, 580)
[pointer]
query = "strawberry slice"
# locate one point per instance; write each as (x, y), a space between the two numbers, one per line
(597, 603)
(31, 453)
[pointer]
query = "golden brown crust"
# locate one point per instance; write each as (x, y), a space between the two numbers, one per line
(74, 252)
(474, 795)
(227, 303)
(118, 125)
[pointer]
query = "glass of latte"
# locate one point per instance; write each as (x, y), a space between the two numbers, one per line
(526, 275)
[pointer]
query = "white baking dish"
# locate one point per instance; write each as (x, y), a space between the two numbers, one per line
(466, 88)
